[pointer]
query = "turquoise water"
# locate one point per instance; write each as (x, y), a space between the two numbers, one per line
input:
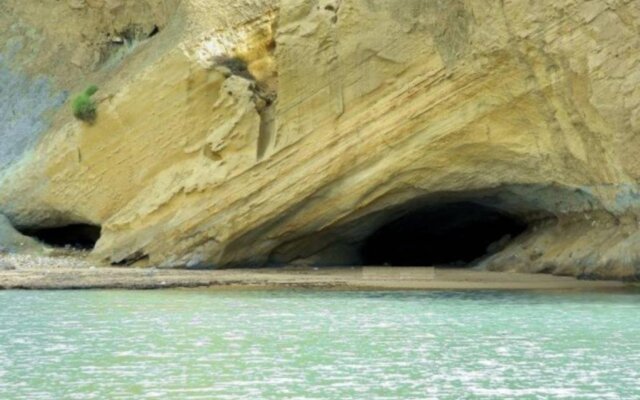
(318, 345)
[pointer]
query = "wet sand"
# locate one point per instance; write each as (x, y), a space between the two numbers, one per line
(40, 273)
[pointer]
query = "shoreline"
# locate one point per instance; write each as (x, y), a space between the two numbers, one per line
(75, 273)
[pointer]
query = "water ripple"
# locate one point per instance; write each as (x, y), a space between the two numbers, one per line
(318, 345)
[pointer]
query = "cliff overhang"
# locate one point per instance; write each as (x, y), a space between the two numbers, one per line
(321, 132)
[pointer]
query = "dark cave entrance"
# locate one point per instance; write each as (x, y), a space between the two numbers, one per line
(76, 236)
(453, 234)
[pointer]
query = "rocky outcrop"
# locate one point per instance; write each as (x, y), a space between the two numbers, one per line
(273, 131)
(12, 241)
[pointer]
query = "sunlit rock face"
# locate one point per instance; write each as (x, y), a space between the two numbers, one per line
(269, 132)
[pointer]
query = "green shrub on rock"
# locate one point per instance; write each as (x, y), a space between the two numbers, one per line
(84, 107)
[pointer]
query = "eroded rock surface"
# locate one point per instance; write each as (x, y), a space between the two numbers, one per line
(12, 241)
(268, 131)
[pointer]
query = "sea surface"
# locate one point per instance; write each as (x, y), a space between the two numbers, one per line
(199, 344)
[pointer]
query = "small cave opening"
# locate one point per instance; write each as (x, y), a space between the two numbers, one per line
(154, 31)
(75, 236)
(453, 235)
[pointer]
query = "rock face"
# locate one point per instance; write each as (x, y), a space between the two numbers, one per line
(12, 241)
(265, 131)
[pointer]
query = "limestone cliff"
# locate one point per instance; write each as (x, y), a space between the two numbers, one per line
(265, 131)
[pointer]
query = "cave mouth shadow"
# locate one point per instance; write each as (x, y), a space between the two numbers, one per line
(74, 236)
(451, 234)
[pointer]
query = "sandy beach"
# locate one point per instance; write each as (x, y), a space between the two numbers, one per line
(71, 272)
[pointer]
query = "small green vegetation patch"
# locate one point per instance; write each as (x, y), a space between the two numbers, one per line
(83, 106)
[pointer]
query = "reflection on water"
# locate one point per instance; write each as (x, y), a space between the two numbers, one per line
(330, 345)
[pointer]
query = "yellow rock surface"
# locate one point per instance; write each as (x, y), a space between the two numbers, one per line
(350, 113)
